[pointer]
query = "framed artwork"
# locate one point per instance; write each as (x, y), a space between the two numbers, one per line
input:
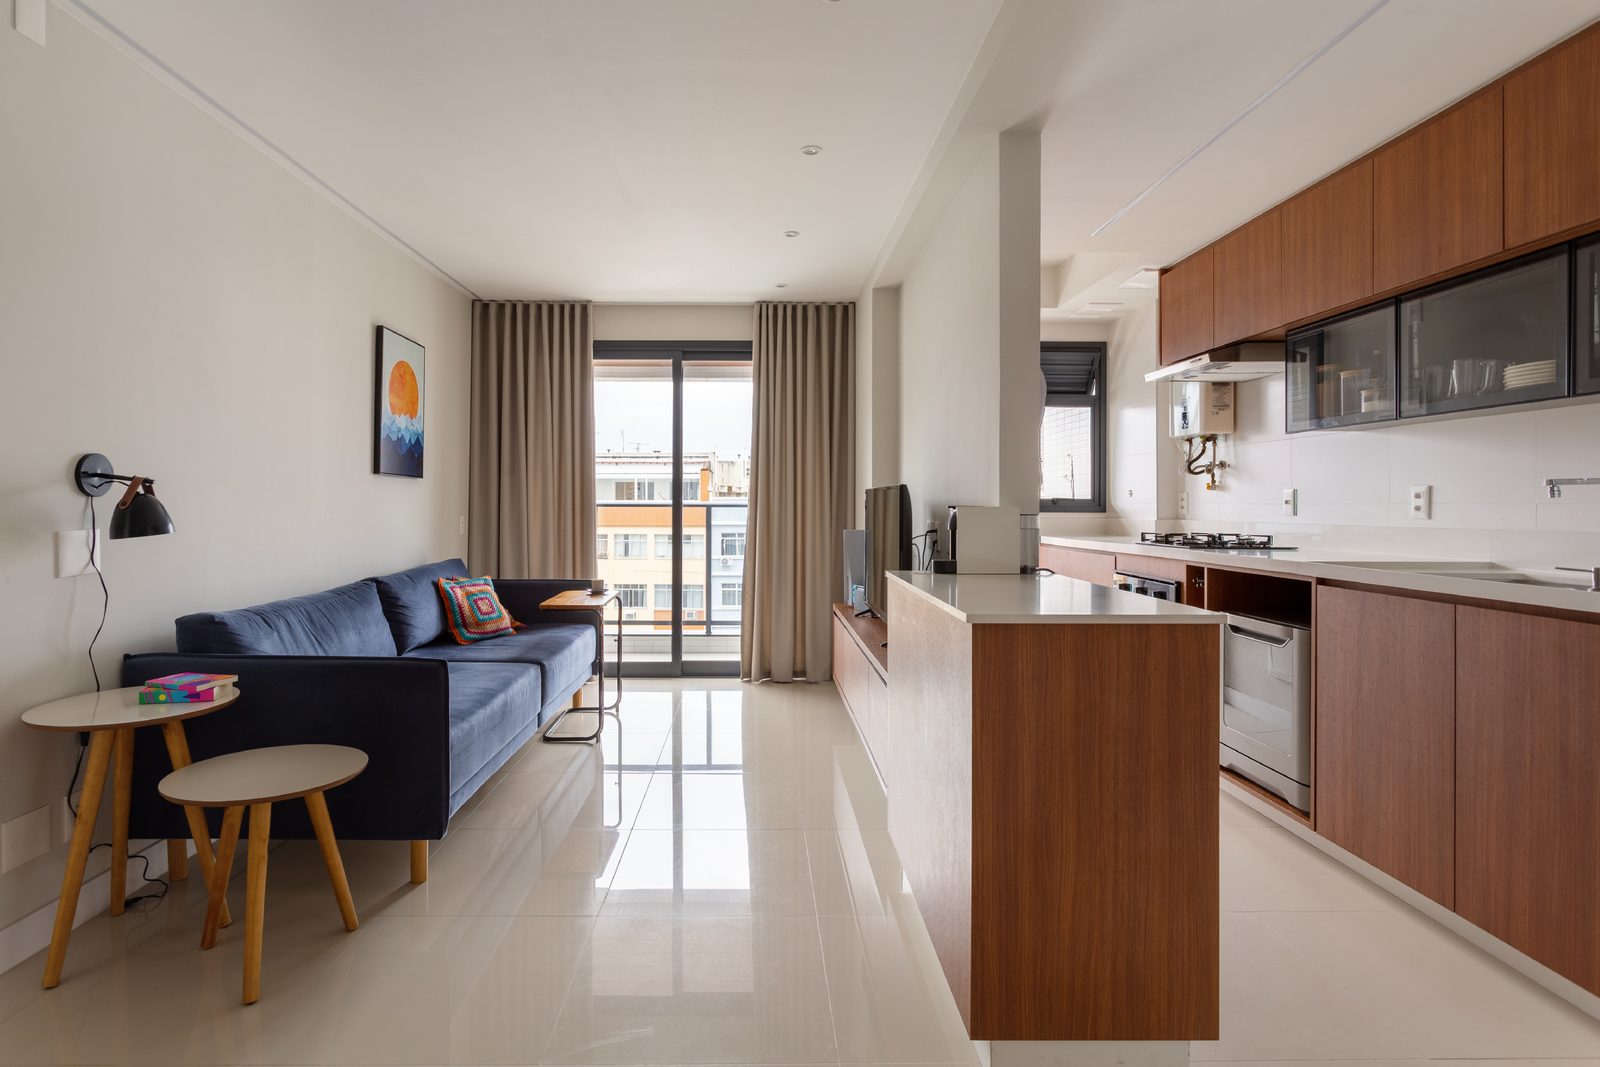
(401, 397)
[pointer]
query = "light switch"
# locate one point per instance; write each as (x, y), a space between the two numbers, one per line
(1291, 501)
(463, 525)
(27, 16)
(1422, 501)
(27, 837)
(72, 553)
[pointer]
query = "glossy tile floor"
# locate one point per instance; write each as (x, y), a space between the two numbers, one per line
(718, 887)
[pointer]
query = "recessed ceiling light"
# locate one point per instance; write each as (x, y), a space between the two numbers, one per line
(1146, 278)
(811, 150)
(781, 285)
(791, 233)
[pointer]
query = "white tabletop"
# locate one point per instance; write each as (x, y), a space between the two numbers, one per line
(261, 775)
(1028, 598)
(115, 709)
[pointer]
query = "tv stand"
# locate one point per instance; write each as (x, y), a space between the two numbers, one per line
(861, 671)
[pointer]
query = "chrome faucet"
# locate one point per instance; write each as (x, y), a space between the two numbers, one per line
(1592, 572)
(1553, 485)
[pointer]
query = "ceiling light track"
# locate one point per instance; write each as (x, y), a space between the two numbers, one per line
(1240, 117)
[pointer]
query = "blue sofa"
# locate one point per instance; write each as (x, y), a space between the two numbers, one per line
(371, 665)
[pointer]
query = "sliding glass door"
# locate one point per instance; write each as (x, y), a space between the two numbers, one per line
(672, 477)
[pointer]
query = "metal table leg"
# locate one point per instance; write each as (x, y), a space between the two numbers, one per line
(602, 708)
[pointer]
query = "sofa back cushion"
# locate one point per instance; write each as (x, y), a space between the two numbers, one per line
(411, 602)
(347, 621)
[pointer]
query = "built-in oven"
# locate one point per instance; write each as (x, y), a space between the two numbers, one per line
(1159, 588)
(1266, 705)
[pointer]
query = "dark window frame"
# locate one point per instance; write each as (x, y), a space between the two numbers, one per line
(1095, 400)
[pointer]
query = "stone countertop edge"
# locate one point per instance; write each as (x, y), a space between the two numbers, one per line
(987, 599)
(1343, 566)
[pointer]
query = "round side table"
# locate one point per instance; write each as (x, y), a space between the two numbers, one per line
(110, 717)
(258, 777)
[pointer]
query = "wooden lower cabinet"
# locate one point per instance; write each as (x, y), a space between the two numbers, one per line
(1096, 567)
(1385, 727)
(1528, 785)
(861, 679)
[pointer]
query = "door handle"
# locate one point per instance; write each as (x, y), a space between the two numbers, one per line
(1251, 635)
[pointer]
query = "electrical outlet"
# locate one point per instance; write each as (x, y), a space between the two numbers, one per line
(1183, 505)
(27, 837)
(72, 553)
(1291, 501)
(1422, 501)
(66, 821)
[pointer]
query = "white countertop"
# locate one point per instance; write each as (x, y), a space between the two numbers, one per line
(1365, 568)
(1029, 598)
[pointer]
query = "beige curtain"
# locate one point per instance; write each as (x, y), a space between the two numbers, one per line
(531, 494)
(802, 458)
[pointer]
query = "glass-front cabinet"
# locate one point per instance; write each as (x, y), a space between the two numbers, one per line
(1587, 294)
(1341, 372)
(1498, 337)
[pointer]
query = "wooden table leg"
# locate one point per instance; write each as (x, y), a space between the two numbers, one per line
(419, 862)
(121, 800)
(177, 859)
(178, 752)
(217, 887)
(94, 784)
(330, 857)
(255, 899)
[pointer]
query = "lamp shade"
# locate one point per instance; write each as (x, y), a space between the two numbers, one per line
(142, 516)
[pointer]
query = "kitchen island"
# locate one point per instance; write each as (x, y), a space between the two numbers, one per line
(1051, 780)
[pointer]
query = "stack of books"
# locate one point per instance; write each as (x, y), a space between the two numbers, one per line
(184, 688)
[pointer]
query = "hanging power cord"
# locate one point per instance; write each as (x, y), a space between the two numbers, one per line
(162, 882)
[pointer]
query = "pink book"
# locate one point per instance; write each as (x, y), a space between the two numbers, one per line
(190, 682)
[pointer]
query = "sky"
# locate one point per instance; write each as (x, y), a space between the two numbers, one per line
(632, 414)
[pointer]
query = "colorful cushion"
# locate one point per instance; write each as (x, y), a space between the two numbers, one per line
(473, 612)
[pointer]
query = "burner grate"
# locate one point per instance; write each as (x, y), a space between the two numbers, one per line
(1208, 540)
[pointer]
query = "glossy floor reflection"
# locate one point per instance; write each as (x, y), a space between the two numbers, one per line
(716, 884)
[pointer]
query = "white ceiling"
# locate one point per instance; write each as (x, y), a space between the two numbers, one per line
(642, 150)
(616, 150)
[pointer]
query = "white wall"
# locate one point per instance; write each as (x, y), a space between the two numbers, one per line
(877, 392)
(1354, 485)
(969, 343)
(673, 322)
(174, 299)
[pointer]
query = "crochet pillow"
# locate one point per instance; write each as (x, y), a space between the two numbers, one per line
(473, 612)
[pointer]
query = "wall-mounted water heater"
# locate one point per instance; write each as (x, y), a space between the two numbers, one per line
(1200, 409)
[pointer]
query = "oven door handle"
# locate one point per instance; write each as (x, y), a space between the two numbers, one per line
(1251, 635)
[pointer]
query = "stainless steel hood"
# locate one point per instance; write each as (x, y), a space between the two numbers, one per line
(1236, 363)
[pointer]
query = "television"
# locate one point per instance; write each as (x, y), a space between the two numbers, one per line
(888, 542)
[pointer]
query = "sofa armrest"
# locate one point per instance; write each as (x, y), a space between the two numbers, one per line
(522, 597)
(396, 710)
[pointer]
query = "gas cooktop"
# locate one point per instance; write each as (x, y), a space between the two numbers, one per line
(1212, 540)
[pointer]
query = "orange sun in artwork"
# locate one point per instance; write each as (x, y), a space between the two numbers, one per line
(403, 390)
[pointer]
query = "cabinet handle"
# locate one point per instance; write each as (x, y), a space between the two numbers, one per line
(1251, 635)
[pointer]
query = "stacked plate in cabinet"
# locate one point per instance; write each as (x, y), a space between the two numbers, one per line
(1526, 375)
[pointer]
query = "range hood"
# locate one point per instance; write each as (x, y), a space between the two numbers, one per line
(1236, 363)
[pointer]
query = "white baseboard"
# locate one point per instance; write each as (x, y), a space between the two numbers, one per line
(1564, 988)
(31, 933)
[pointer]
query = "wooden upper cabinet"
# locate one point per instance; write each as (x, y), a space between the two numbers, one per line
(1186, 294)
(1527, 795)
(1248, 269)
(1552, 137)
(1438, 196)
(1327, 244)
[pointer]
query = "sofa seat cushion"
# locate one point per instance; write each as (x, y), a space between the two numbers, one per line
(490, 703)
(563, 652)
(411, 602)
(347, 621)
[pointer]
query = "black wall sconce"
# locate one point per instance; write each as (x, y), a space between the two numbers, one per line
(138, 513)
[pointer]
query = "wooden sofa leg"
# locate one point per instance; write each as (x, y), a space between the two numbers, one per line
(419, 862)
(177, 858)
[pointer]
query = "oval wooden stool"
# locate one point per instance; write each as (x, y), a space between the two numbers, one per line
(257, 778)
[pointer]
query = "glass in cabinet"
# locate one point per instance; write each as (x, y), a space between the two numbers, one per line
(1498, 337)
(1341, 372)
(1587, 295)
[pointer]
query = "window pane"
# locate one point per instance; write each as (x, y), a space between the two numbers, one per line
(732, 594)
(694, 546)
(664, 597)
(632, 596)
(631, 545)
(694, 597)
(600, 548)
(663, 546)
(1066, 454)
(732, 544)
(691, 489)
